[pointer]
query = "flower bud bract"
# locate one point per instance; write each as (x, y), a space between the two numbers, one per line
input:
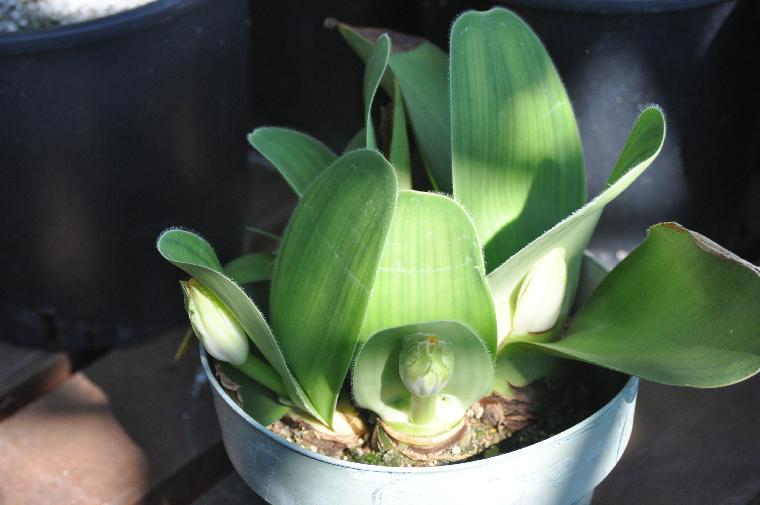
(215, 325)
(541, 294)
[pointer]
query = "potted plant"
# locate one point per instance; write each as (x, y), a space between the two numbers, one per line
(105, 126)
(411, 328)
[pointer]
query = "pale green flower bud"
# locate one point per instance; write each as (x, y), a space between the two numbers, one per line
(214, 324)
(542, 291)
(425, 364)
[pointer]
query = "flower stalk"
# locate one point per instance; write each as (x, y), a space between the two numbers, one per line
(425, 366)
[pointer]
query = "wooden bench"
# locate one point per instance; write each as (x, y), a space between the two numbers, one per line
(136, 427)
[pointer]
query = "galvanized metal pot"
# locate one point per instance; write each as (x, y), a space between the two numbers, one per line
(562, 470)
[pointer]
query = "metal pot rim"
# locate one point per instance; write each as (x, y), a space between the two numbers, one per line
(626, 393)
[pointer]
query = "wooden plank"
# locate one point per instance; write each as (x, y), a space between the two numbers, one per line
(231, 490)
(133, 427)
(690, 446)
(26, 374)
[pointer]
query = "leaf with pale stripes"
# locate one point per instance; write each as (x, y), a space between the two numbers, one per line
(431, 269)
(517, 161)
(326, 268)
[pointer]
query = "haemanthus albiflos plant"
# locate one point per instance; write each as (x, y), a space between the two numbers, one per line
(428, 302)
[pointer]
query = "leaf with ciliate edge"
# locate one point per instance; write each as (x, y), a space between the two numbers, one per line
(258, 402)
(422, 73)
(378, 387)
(377, 62)
(678, 310)
(517, 160)
(298, 157)
(572, 234)
(326, 268)
(253, 267)
(191, 253)
(431, 269)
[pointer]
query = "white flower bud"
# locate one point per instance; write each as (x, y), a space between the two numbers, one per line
(425, 364)
(541, 293)
(214, 324)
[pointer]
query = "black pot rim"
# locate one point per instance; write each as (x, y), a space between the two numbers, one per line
(115, 25)
(617, 6)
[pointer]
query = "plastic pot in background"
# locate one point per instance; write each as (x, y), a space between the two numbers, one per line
(111, 131)
(690, 56)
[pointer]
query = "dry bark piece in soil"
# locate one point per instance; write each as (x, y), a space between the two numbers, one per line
(350, 433)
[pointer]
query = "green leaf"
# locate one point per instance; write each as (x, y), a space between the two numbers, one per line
(248, 268)
(678, 310)
(326, 268)
(300, 158)
(194, 255)
(422, 73)
(572, 235)
(376, 65)
(517, 156)
(358, 141)
(258, 402)
(377, 385)
(399, 155)
(431, 269)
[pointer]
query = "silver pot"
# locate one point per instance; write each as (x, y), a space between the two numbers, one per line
(561, 470)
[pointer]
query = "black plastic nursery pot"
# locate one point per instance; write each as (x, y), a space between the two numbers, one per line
(689, 56)
(111, 131)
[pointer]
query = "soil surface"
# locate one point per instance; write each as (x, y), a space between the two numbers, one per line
(23, 15)
(495, 425)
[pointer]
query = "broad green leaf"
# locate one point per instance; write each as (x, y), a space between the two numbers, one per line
(298, 157)
(399, 155)
(196, 257)
(326, 268)
(517, 157)
(678, 310)
(358, 141)
(572, 235)
(422, 73)
(376, 65)
(258, 402)
(431, 269)
(519, 366)
(377, 385)
(252, 267)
